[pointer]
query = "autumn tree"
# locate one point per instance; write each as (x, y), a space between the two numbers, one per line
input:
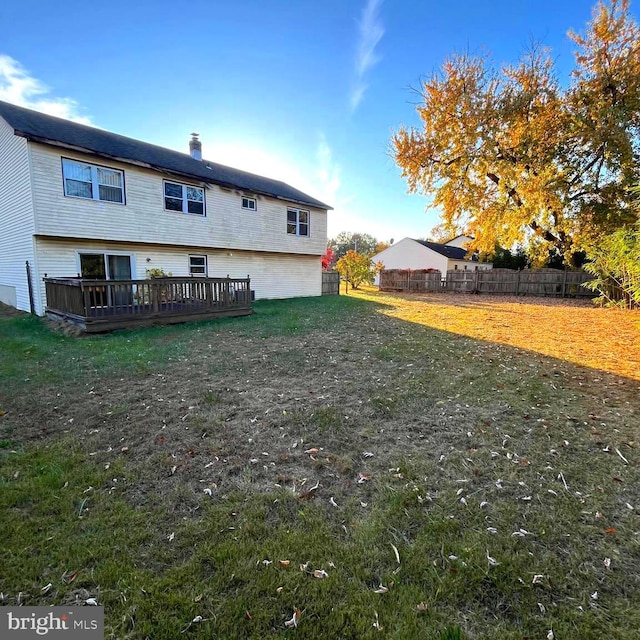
(515, 156)
(360, 242)
(328, 259)
(356, 268)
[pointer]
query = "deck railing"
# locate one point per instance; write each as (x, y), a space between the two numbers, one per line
(130, 302)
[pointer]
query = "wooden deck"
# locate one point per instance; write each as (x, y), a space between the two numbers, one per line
(105, 305)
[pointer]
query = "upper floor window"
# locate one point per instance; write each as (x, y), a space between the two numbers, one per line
(249, 203)
(297, 222)
(184, 198)
(83, 180)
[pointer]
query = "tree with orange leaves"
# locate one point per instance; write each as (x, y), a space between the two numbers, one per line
(511, 155)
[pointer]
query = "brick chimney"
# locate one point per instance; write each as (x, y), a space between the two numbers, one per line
(195, 147)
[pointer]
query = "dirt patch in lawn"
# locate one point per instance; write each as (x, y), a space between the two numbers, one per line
(10, 312)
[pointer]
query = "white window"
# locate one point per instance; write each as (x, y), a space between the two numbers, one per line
(249, 203)
(83, 180)
(297, 222)
(198, 266)
(184, 198)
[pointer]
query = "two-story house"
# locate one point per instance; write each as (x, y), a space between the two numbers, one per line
(77, 200)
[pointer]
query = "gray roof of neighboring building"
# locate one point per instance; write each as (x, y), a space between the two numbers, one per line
(40, 127)
(453, 253)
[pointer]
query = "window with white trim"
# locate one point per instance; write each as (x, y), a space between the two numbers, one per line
(93, 182)
(184, 198)
(198, 266)
(249, 203)
(297, 222)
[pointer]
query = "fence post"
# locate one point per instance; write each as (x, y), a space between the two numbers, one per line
(518, 284)
(564, 283)
(32, 305)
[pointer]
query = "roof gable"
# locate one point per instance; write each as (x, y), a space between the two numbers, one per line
(40, 127)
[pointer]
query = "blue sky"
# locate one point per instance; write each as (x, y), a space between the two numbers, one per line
(304, 91)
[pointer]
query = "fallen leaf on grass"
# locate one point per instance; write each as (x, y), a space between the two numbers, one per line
(381, 589)
(284, 563)
(610, 530)
(607, 563)
(92, 602)
(247, 615)
(69, 578)
(332, 502)
(421, 606)
(171, 536)
(492, 561)
(395, 550)
(364, 477)
(313, 451)
(622, 457)
(310, 493)
(320, 573)
(376, 625)
(293, 622)
(46, 588)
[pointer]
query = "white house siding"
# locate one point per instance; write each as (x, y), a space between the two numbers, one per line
(16, 218)
(143, 218)
(273, 275)
(467, 265)
(409, 254)
(459, 241)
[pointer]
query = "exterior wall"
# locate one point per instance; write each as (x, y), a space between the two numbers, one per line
(459, 241)
(16, 218)
(143, 218)
(273, 275)
(468, 265)
(409, 254)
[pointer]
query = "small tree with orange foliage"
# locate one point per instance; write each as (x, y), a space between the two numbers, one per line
(356, 268)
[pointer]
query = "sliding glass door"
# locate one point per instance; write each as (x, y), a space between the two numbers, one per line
(107, 266)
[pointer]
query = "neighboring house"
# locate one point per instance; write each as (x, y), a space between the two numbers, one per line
(422, 254)
(79, 200)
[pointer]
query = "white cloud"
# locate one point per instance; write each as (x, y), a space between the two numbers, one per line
(328, 173)
(18, 87)
(370, 32)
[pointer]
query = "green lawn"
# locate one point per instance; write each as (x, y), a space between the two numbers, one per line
(345, 457)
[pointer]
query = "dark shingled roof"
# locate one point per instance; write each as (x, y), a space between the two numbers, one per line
(453, 253)
(39, 127)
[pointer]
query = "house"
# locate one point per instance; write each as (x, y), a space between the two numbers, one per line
(422, 254)
(77, 200)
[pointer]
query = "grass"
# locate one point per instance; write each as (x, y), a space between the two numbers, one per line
(169, 472)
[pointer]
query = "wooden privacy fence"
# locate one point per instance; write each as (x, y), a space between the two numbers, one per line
(330, 283)
(410, 280)
(533, 282)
